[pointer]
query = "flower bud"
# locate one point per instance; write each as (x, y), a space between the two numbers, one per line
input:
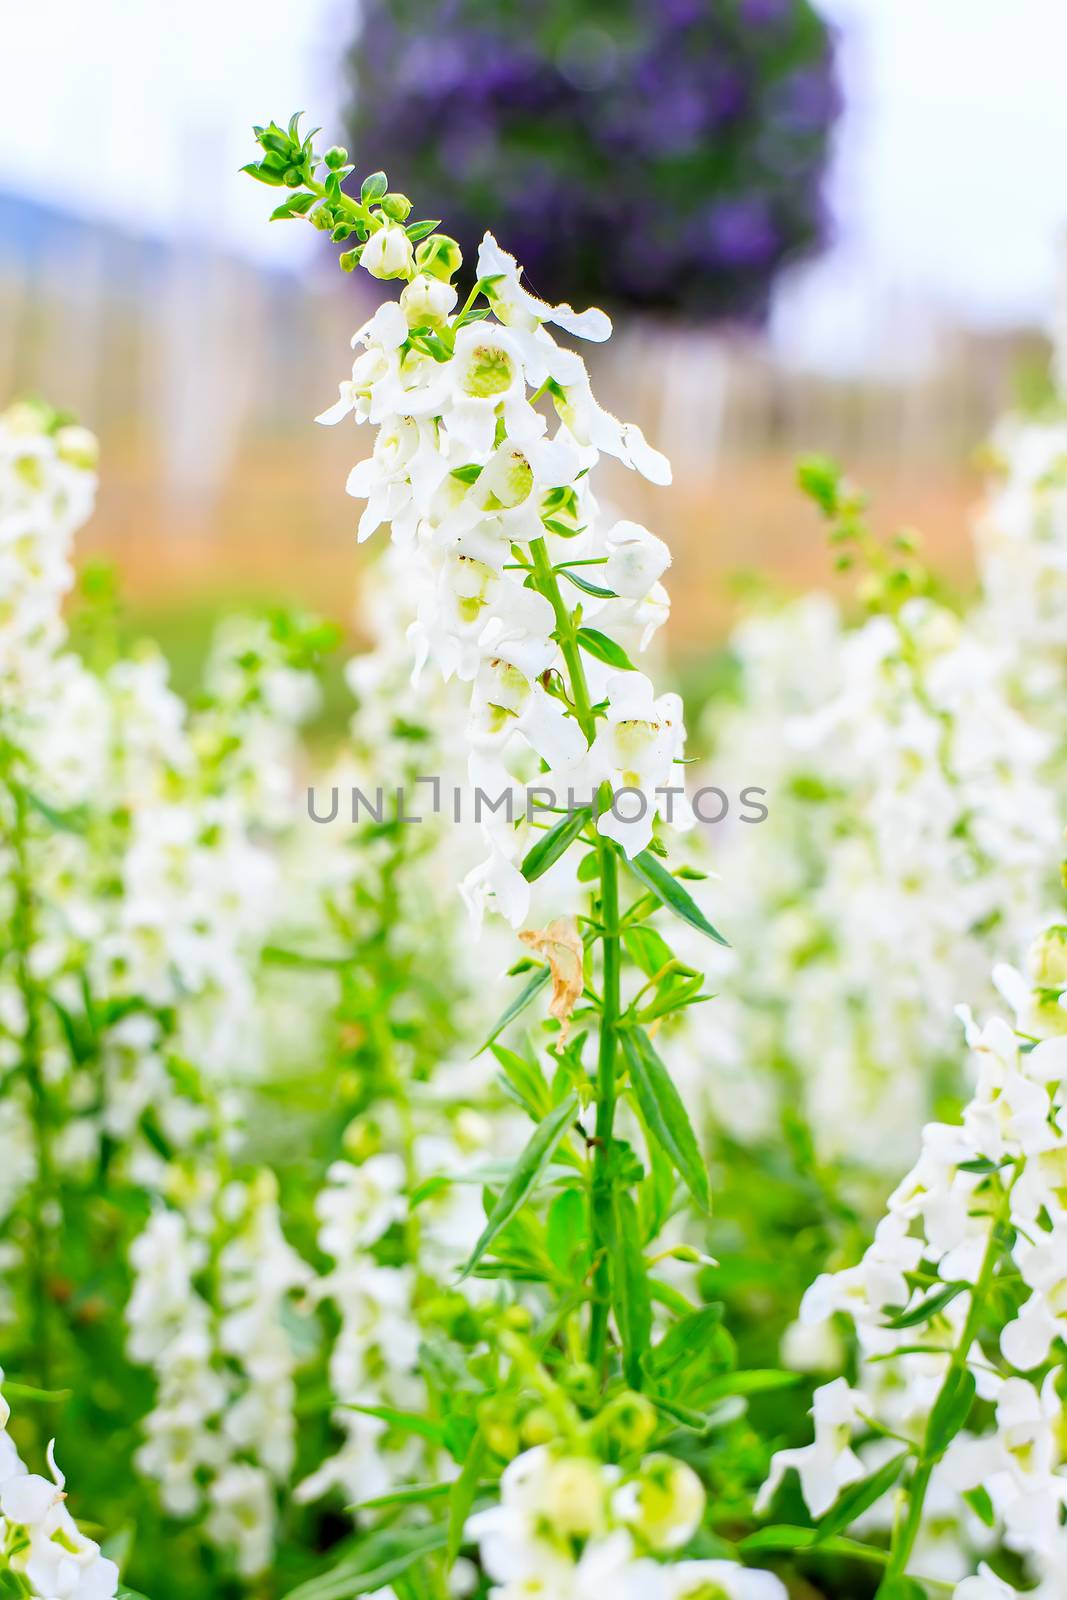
(427, 301)
(1047, 961)
(664, 1503)
(396, 206)
(387, 253)
(539, 1426)
(439, 255)
(573, 1498)
(78, 446)
(336, 157)
(629, 1420)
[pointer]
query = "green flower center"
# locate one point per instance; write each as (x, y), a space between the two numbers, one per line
(489, 372)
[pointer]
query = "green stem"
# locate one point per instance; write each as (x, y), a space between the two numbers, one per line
(905, 1534)
(606, 1088)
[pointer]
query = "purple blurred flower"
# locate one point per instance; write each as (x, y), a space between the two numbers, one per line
(663, 153)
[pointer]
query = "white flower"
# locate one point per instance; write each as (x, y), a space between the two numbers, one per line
(388, 253)
(57, 1560)
(517, 307)
(427, 301)
(497, 881)
(708, 1580)
(828, 1465)
(637, 748)
(984, 1586)
(360, 1203)
(636, 560)
(664, 1503)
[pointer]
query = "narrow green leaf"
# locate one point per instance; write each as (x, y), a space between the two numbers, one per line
(526, 1080)
(665, 1114)
(586, 586)
(647, 948)
(669, 892)
(950, 1411)
(783, 1537)
(462, 1498)
(529, 1167)
(684, 1337)
(418, 230)
(410, 1494)
(598, 644)
(629, 1284)
(407, 1421)
(859, 1497)
(756, 1380)
(29, 1391)
(935, 1302)
(529, 992)
(551, 845)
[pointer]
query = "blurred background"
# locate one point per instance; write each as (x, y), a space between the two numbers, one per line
(833, 226)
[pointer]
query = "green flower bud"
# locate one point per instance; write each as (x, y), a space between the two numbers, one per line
(1047, 961)
(78, 446)
(539, 1427)
(629, 1421)
(396, 206)
(439, 255)
(582, 1383)
(336, 157)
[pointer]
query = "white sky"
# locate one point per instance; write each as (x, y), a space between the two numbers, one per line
(951, 187)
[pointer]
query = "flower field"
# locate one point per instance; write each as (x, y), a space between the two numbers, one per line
(505, 1157)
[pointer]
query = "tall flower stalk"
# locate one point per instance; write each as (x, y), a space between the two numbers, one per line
(487, 437)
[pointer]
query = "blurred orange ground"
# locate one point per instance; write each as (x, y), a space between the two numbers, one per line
(284, 531)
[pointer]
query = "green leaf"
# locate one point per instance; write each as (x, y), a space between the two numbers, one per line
(29, 1391)
(669, 892)
(566, 1227)
(373, 188)
(598, 644)
(263, 174)
(585, 585)
(901, 1588)
(462, 1498)
(756, 1380)
(629, 1286)
(781, 1536)
(950, 1411)
(76, 820)
(379, 1559)
(526, 1079)
(859, 1497)
(665, 1114)
(418, 230)
(929, 1307)
(406, 1421)
(529, 992)
(684, 1338)
(529, 1167)
(410, 1494)
(820, 479)
(551, 845)
(982, 1506)
(647, 948)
